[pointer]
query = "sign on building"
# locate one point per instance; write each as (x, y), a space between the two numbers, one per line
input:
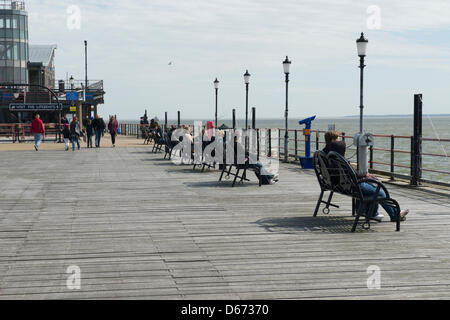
(32, 107)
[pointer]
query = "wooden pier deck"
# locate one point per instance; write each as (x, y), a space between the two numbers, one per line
(140, 227)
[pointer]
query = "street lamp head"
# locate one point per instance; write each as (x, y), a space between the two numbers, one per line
(286, 65)
(216, 83)
(361, 44)
(247, 77)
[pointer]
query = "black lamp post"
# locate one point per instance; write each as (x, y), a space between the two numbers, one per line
(361, 44)
(286, 67)
(247, 81)
(216, 86)
(362, 140)
(72, 83)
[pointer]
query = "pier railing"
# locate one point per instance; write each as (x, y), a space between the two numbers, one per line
(16, 132)
(393, 155)
(389, 157)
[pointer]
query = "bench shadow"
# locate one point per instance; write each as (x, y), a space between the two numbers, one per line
(329, 224)
(223, 184)
(156, 160)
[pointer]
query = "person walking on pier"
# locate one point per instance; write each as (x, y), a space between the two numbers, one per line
(75, 131)
(38, 130)
(99, 126)
(113, 126)
(89, 133)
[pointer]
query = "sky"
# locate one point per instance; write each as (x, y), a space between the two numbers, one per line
(163, 55)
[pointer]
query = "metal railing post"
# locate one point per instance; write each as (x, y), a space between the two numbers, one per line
(392, 157)
(296, 144)
(416, 143)
(270, 144)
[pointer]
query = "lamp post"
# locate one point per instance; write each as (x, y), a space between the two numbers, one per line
(286, 67)
(86, 76)
(247, 81)
(216, 86)
(361, 44)
(362, 140)
(72, 83)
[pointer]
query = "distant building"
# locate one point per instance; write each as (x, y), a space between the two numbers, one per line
(41, 67)
(33, 65)
(13, 42)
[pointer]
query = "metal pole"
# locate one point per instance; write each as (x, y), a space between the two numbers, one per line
(253, 118)
(234, 119)
(246, 106)
(165, 121)
(417, 141)
(179, 119)
(217, 91)
(361, 106)
(86, 72)
(286, 136)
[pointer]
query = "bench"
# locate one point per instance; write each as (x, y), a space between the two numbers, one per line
(336, 175)
(240, 168)
(205, 160)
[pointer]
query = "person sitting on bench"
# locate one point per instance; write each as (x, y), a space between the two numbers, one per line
(266, 176)
(334, 143)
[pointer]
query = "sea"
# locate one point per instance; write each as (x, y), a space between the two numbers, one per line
(434, 127)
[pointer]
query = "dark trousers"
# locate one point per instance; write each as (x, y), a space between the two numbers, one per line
(98, 137)
(113, 137)
(89, 141)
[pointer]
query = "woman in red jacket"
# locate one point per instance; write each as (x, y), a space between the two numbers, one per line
(38, 130)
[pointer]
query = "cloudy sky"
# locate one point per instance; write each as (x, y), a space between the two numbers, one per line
(131, 43)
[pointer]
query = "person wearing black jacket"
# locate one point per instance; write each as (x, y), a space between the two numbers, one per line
(99, 127)
(334, 143)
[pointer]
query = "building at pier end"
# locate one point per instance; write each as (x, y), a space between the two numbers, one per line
(28, 78)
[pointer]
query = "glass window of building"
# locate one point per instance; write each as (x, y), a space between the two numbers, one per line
(15, 22)
(16, 51)
(22, 27)
(9, 52)
(2, 51)
(2, 22)
(22, 51)
(8, 22)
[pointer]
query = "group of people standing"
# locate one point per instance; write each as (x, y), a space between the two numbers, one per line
(93, 127)
(72, 132)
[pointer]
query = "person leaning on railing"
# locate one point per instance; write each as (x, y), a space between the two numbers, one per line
(334, 143)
